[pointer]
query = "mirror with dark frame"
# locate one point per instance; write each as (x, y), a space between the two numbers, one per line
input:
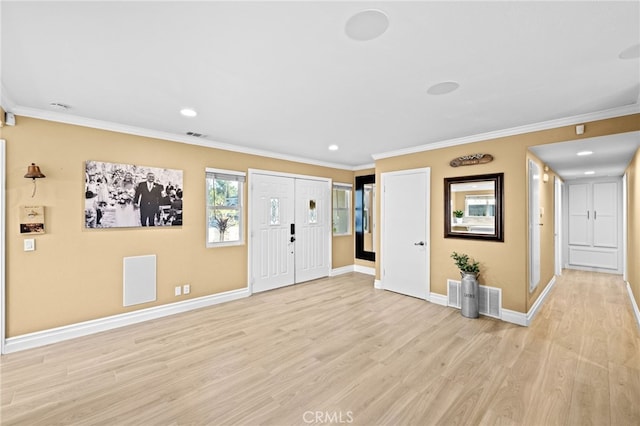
(474, 207)
(364, 218)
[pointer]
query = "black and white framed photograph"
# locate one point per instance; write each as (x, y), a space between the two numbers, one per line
(128, 195)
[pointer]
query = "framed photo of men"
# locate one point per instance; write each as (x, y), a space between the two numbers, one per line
(128, 195)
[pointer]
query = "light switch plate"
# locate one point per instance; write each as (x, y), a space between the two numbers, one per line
(29, 244)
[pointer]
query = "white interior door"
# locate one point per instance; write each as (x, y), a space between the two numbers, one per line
(313, 229)
(272, 251)
(405, 232)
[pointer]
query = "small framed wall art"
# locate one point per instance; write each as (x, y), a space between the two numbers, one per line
(32, 219)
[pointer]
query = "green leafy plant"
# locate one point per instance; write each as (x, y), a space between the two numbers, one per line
(458, 213)
(465, 264)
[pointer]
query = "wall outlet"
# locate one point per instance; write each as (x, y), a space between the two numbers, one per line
(186, 289)
(178, 291)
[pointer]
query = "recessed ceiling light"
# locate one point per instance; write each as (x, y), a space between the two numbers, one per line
(582, 153)
(590, 172)
(443, 88)
(333, 147)
(188, 112)
(367, 25)
(632, 52)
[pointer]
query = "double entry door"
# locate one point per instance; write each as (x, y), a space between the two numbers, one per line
(290, 230)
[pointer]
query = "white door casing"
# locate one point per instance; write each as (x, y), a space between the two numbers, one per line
(405, 234)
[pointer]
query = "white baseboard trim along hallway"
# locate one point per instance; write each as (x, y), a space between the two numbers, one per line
(59, 334)
(636, 311)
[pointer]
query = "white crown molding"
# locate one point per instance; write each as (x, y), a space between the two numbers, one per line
(6, 101)
(529, 128)
(364, 167)
(59, 334)
(156, 134)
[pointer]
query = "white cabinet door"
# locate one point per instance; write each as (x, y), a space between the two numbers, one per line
(579, 216)
(605, 213)
(594, 217)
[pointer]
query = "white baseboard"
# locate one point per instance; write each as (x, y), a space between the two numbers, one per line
(364, 270)
(536, 306)
(342, 270)
(525, 320)
(59, 334)
(636, 311)
(514, 317)
(377, 284)
(438, 299)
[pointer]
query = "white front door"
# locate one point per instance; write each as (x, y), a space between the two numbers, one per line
(405, 232)
(313, 225)
(290, 233)
(272, 251)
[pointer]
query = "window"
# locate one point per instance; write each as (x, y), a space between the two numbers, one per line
(480, 205)
(224, 207)
(341, 209)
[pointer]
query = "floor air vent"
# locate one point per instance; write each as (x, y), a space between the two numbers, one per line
(489, 299)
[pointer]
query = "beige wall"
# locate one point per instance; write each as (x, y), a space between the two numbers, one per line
(504, 265)
(75, 274)
(633, 228)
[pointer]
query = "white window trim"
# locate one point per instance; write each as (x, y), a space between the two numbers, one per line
(241, 240)
(339, 185)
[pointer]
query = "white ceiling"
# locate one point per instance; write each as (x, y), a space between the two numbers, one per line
(284, 77)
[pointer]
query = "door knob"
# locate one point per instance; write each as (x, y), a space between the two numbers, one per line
(420, 243)
(293, 238)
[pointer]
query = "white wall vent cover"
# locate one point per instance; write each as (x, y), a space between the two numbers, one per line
(489, 299)
(139, 280)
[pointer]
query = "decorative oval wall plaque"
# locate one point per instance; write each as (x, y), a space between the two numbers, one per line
(470, 160)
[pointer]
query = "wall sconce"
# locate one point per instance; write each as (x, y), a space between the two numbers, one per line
(33, 172)
(580, 129)
(545, 175)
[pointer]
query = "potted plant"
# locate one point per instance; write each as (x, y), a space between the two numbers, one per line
(469, 271)
(459, 214)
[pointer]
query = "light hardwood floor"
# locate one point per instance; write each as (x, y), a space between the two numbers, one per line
(338, 350)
